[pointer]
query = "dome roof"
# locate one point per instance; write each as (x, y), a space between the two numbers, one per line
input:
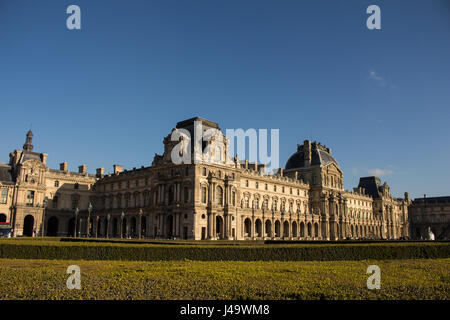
(318, 157)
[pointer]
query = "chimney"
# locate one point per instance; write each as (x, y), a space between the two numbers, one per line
(117, 169)
(425, 195)
(307, 152)
(64, 166)
(246, 164)
(82, 169)
(296, 175)
(256, 166)
(100, 172)
(280, 171)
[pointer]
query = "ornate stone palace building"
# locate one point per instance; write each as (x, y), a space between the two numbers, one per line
(225, 199)
(432, 213)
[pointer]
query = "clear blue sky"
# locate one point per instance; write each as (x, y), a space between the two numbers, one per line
(110, 92)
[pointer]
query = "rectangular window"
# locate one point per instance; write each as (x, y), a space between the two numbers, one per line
(56, 183)
(4, 196)
(30, 198)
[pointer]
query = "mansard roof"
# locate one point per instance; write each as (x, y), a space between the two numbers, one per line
(318, 157)
(371, 185)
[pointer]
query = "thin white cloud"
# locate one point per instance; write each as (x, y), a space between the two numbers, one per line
(380, 172)
(380, 80)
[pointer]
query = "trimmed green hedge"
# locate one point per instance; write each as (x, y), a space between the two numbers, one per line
(322, 252)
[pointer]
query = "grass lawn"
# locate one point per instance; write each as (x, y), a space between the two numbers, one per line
(400, 279)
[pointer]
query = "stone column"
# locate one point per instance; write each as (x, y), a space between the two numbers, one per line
(252, 228)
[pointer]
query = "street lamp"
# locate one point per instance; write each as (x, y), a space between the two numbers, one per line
(108, 217)
(75, 224)
(44, 205)
(140, 224)
(96, 226)
(121, 224)
(89, 219)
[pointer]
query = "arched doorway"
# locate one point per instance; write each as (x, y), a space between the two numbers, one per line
(115, 227)
(52, 226)
(302, 229)
(91, 227)
(247, 227)
(99, 227)
(294, 229)
(309, 229)
(124, 228)
(268, 228)
(286, 229)
(71, 227)
(316, 230)
(2, 217)
(169, 226)
(219, 227)
(133, 227)
(28, 226)
(258, 228)
(277, 228)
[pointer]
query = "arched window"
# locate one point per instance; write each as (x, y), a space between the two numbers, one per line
(256, 203)
(219, 195)
(266, 204)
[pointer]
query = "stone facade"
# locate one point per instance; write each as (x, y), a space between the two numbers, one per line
(223, 199)
(433, 213)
